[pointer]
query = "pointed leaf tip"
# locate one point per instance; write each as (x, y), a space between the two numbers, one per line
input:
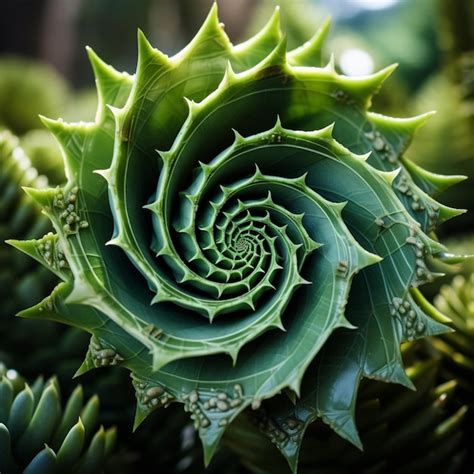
(18, 244)
(272, 27)
(276, 58)
(376, 80)
(390, 176)
(420, 120)
(139, 418)
(40, 196)
(446, 213)
(386, 72)
(344, 425)
(212, 18)
(331, 64)
(405, 125)
(210, 447)
(47, 122)
(56, 127)
(101, 69)
(106, 174)
(431, 183)
(147, 53)
(310, 53)
(143, 43)
(249, 51)
(211, 38)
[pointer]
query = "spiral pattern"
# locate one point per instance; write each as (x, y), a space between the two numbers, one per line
(241, 249)
(277, 225)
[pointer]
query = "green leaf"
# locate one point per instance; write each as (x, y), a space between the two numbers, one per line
(20, 413)
(71, 447)
(43, 463)
(40, 427)
(93, 459)
(7, 462)
(69, 417)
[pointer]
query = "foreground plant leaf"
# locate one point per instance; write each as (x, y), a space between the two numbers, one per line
(432, 439)
(235, 225)
(38, 435)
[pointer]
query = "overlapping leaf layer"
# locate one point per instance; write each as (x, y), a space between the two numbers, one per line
(238, 227)
(433, 439)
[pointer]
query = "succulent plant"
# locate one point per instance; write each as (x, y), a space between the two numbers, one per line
(431, 440)
(22, 280)
(38, 436)
(19, 216)
(271, 249)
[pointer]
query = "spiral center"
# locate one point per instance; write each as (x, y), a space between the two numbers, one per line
(242, 245)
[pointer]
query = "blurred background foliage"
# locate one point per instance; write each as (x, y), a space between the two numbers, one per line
(44, 70)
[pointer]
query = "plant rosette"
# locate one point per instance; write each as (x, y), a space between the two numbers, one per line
(238, 227)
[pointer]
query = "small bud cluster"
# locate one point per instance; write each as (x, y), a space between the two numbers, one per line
(411, 323)
(103, 356)
(151, 395)
(381, 146)
(282, 431)
(219, 403)
(422, 272)
(68, 205)
(51, 251)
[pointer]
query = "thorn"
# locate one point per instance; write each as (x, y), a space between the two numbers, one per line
(106, 174)
(278, 127)
(238, 138)
(147, 52)
(330, 66)
(389, 176)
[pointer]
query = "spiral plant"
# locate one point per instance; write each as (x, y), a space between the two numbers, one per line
(237, 227)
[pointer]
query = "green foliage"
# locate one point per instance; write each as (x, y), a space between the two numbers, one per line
(45, 155)
(28, 88)
(38, 435)
(463, 244)
(270, 250)
(456, 300)
(403, 432)
(22, 280)
(440, 146)
(168, 441)
(456, 349)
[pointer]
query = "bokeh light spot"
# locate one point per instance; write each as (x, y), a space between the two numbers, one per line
(356, 62)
